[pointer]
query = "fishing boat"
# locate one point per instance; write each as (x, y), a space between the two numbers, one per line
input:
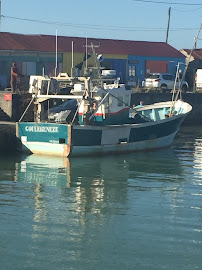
(102, 121)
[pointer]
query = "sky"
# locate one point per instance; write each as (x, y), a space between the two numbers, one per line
(138, 20)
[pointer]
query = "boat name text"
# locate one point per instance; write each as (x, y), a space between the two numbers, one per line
(41, 129)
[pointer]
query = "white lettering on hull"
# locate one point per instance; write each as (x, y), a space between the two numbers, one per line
(41, 129)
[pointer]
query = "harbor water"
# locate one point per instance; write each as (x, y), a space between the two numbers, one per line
(133, 211)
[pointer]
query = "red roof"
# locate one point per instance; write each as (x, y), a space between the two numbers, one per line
(46, 43)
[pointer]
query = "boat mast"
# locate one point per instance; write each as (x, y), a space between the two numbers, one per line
(56, 52)
(96, 60)
(86, 54)
(97, 63)
(72, 58)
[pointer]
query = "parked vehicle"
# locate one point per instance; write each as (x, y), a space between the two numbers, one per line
(108, 74)
(198, 80)
(164, 81)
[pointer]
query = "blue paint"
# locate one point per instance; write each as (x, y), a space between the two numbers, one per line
(119, 65)
(141, 61)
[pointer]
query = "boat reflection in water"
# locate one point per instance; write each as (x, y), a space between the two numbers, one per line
(198, 158)
(89, 184)
(56, 171)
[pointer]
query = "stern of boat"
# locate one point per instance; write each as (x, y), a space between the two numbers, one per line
(44, 138)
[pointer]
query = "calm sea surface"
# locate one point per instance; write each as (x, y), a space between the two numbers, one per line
(135, 211)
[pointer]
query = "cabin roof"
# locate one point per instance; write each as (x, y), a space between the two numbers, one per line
(47, 43)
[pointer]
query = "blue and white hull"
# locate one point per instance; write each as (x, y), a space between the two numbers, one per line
(76, 140)
(126, 138)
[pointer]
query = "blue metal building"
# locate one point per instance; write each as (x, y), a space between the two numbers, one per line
(35, 54)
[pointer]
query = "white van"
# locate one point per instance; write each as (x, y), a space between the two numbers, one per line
(198, 80)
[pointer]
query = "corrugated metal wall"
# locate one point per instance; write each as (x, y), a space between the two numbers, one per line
(162, 64)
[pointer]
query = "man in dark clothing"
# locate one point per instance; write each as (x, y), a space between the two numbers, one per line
(14, 75)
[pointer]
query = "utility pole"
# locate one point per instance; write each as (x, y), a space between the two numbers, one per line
(168, 24)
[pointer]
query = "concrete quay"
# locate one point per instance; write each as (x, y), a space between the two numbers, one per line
(8, 140)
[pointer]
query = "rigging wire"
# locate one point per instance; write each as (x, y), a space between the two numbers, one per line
(187, 10)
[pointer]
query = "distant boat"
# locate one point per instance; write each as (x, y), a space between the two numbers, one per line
(100, 122)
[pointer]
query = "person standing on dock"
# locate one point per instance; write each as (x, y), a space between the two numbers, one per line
(14, 76)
